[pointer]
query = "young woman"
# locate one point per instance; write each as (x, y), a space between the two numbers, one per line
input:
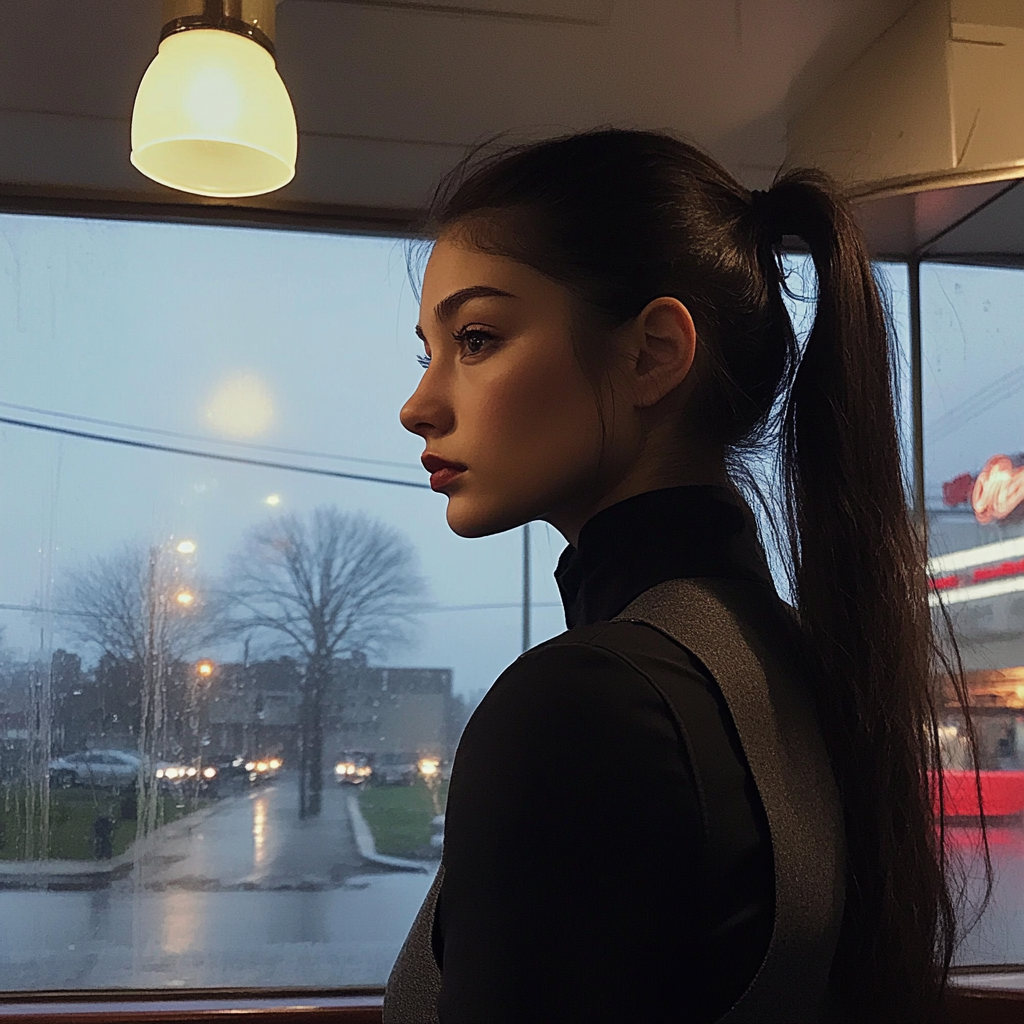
(694, 804)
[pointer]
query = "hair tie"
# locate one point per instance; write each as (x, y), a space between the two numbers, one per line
(764, 210)
(758, 199)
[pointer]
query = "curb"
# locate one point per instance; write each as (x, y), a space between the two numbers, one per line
(368, 848)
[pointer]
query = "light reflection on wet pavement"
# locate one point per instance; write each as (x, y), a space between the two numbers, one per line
(250, 896)
(247, 896)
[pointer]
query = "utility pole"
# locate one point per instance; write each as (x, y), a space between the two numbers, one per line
(526, 586)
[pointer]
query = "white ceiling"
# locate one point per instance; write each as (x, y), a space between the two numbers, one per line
(388, 95)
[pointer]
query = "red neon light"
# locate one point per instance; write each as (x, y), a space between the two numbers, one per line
(944, 582)
(995, 572)
(958, 490)
(1002, 792)
(998, 490)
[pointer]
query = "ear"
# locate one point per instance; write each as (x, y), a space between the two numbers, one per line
(662, 342)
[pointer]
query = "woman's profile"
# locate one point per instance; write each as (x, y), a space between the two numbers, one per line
(697, 803)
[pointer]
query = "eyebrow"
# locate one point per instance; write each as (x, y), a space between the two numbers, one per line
(448, 306)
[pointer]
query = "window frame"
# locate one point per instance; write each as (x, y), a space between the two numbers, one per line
(965, 1003)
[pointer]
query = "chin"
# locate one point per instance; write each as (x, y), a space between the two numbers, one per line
(469, 519)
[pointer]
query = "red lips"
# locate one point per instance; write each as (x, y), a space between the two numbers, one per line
(442, 472)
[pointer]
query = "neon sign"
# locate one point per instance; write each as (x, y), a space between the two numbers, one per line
(994, 494)
(983, 572)
(998, 490)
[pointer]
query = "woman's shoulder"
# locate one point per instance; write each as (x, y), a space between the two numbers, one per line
(573, 727)
(607, 684)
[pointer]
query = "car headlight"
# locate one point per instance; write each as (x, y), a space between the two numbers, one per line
(159, 773)
(364, 771)
(210, 773)
(429, 766)
(262, 766)
(275, 763)
(250, 766)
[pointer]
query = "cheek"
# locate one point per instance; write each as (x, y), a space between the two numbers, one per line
(537, 426)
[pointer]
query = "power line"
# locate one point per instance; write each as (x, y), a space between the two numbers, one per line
(135, 428)
(486, 607)
(52, 611)
(38, 609)
(237, 459)
(975, 404)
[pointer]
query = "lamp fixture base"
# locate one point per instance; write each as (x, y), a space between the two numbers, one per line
(253, 19)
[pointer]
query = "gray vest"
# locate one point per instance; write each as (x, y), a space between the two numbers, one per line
(734, 628)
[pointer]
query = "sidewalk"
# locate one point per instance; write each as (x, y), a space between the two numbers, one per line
(69, 875)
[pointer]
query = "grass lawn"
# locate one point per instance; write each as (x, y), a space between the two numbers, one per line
(399, 818)
(72, 813)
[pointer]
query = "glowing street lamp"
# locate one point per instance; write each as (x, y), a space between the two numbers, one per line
(205, 668)
(273, 500)
(184, 598)
(186, 547)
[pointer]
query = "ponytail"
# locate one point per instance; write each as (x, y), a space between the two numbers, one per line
(622, 217)
(858, 579)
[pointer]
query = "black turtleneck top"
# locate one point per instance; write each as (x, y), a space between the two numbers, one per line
(601, 863)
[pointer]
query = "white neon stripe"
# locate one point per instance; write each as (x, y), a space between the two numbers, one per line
(997, 552)
(996, 588)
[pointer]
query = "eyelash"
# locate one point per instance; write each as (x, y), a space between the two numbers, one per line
(462, 336)
(466, 334)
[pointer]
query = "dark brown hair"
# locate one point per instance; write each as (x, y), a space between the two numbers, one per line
(623, 217)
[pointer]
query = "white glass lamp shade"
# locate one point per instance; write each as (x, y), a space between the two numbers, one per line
(213, 117)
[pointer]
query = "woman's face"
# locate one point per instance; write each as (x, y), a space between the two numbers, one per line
(511, 424)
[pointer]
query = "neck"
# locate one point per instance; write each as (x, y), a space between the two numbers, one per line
(639, 480)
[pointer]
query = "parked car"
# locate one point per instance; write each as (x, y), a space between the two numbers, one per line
(353, 769)
(110, 769)
(395, 769)
(239, 769)
(230, 768)
(263, 769)
(192, 778)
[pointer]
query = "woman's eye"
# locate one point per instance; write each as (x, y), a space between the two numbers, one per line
(423, 360)
(472, 340)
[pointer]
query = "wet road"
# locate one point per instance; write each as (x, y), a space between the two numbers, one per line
(246, 895)
(249, 896)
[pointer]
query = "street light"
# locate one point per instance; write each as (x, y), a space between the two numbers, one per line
(205, 668)
(184, 598)
(186, 547)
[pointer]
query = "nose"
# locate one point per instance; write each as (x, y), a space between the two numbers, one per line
(428, 411)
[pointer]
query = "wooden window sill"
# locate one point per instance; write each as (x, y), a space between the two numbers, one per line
(965, 1005)
(345, 1007)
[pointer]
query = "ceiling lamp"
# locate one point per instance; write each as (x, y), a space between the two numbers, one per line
(212, 116)
(934, 102)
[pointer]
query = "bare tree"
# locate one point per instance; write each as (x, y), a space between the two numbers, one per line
(142, 607)
(327, 583)
(127, 602)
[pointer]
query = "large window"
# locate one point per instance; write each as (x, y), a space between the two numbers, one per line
(196, 787)
(973, 380)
